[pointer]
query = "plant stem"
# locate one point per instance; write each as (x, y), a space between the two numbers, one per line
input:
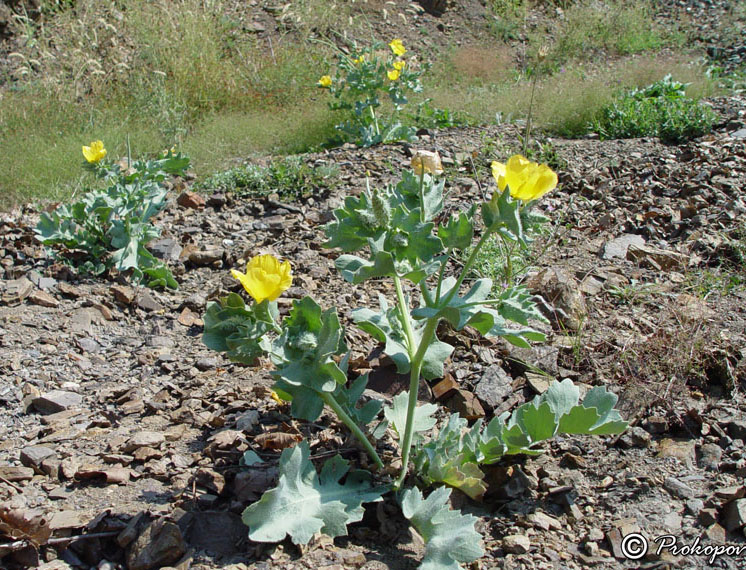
(375, 120)
(354, 428)
(422, 193)
(527, 133)
(414, 384)
(440, 275)
(467, 267)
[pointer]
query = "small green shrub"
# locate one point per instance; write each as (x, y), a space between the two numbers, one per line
(661, 109)
(291, 178)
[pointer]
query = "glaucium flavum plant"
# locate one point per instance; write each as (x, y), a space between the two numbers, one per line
(110, 228)
(362, 77)
(391, 233)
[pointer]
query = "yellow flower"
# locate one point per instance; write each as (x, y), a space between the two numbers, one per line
(527, 180)
(393, 74)
(399, 65)
(95, 152)
(265, 277)
(397, 47)
(325, 81)
(424, 160)
(359, 60)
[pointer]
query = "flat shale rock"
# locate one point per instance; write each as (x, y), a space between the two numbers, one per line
(57, 401)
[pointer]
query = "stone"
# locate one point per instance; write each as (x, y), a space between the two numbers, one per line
(683, 450)
(737, 429)
(634, 437)
(445, 387)
(656, 259)
(16, 474)
(617, 248)
(57, 401)
(539, 383)
(33, 456)
(43, 299)
(247, 421)
(678, 489)
(734, 515)
(516, 544)
(694, 506)
(538, 357)
(708, 516)
(166, 249)
(69, 519)
(207, 363)
(144, 439)
(710, 455)
(17, 290)
(561, 291)
(739, 134)
(123, 294)
(543, 521)
(466, 404)
(159, 544)
(494, 386)
(147, 302)
(208, 255)
(191, 200)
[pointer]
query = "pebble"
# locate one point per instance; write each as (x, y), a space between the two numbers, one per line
(516, 544)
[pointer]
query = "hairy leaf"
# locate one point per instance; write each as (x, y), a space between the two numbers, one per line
(386, 327)
(397, 416)
(450, 538)
(304, 502)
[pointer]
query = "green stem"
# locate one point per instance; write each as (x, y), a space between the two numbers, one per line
(422, 193)
(527, 133)
(467, 266)
(414, 384)
(354, 428)
(375, 120)
(441, 273)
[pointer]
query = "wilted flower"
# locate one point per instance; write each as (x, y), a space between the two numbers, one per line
(527, 180)
(393, 74)
(426, 161)
(399, 65)
(95, 152)
(397, 47)
(325, 81)
(265, 277)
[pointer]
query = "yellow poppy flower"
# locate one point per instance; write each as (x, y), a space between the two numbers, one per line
(95, 152)
(359, 60)
(426, 161)
(397, 47)
(325, 81)
(399, 65)
(265, 277)
(527, 180)
(393, 74)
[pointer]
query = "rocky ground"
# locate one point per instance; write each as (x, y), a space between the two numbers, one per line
(118, 424)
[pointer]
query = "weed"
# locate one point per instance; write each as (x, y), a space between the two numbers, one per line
(290, 178)
(660, 109)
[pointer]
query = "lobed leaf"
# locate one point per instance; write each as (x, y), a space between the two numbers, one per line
(304, 502)
(450, 537)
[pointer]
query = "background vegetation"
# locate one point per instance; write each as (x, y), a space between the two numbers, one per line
(192, 73)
